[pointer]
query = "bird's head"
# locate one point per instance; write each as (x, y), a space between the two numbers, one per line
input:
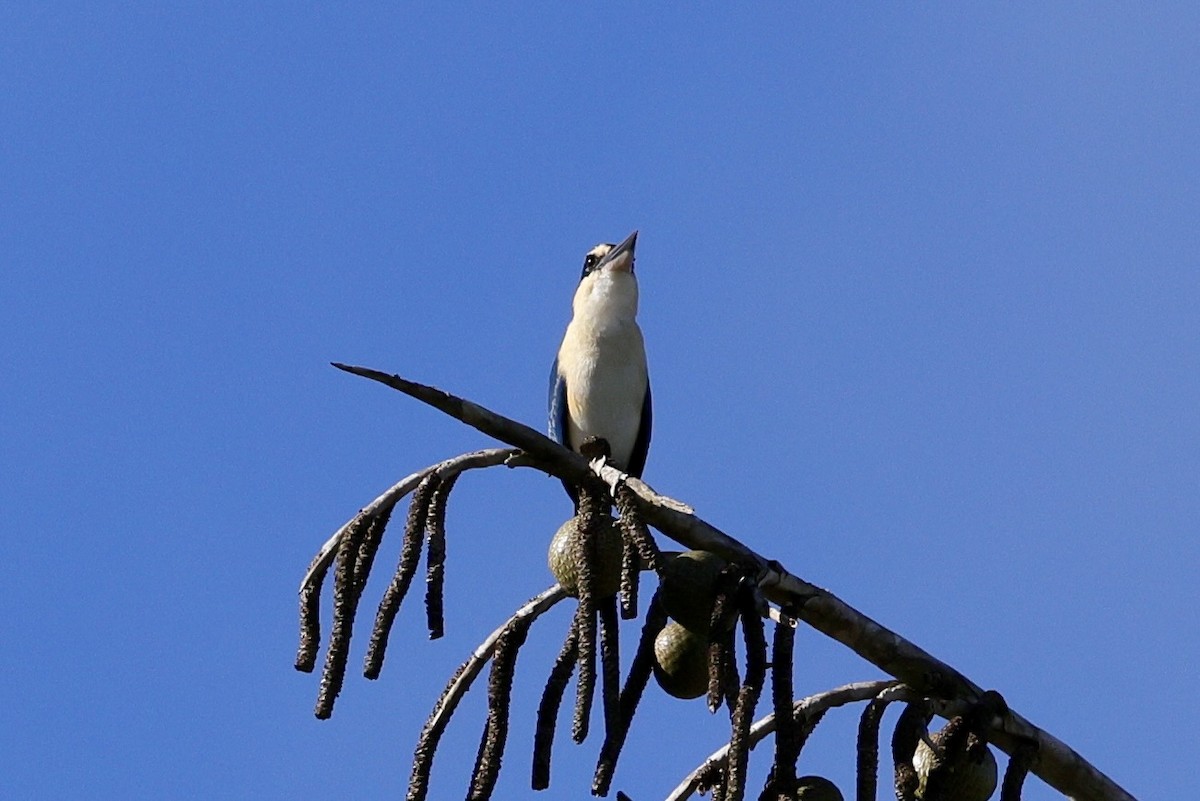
(615, 258)
(607, 293)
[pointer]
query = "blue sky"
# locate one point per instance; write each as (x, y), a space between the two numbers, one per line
(919, 286)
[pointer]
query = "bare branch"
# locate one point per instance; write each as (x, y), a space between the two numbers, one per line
(1057, 764)
(802, 710)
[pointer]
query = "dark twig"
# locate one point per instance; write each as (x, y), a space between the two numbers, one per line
(504, 662)
(635, 684)
(868, 749)
(547, 717)
(435, 528)
(1018, 768)
(410, 554)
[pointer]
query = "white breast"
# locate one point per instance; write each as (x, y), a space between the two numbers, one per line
(603, 359)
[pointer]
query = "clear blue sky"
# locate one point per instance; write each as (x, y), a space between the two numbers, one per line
(920, 286)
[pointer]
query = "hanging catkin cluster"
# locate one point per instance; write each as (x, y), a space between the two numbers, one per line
(688, 642)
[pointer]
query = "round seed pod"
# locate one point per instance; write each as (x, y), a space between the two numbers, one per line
(681, 661)
(607, 569)
(816, 788)
(806, 788)
(688, 588)
(972, 776)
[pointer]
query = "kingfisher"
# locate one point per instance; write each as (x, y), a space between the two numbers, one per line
(599, 384)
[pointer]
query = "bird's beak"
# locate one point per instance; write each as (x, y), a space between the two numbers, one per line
(620, 257)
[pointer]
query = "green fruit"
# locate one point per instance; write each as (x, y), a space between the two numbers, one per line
(806, 788)
(970, 777)
(681, 661)
(817, 788)
(688, 589)
(606, 572)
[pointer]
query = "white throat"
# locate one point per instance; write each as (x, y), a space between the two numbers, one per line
(606, 298)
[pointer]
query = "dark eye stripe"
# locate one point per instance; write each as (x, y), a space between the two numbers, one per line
(589, 264)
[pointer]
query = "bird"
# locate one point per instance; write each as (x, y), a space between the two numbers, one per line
(599, 382)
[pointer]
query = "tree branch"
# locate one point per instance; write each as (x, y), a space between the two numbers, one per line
(1057, 764)
(804, 708)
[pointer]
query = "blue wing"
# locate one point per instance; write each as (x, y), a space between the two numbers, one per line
(557, 404)
(641, 446)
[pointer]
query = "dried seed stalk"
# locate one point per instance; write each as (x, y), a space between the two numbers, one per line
(495, 733)
(610, 665)
(370, 546)
(635, 684)
(719, 648)
(427, 743)
(743, 711)
(630, 571)
(547, 716)
(868, 750)
(410, 554)
(435, 560)
(786, 735)
(634, 528)
(345, 601)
